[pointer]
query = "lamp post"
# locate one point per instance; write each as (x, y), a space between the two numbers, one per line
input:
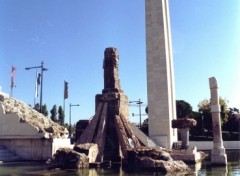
(138, 102)
(70, 118)
(42, 69)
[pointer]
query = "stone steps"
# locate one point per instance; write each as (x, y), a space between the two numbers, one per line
(7, 156)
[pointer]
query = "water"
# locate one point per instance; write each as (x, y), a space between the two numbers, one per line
(39, 169)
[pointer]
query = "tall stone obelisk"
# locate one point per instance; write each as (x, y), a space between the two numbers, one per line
(160, 77)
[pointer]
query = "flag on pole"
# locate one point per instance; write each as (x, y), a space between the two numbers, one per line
(65, 90)
(12, 76)
(37, 83)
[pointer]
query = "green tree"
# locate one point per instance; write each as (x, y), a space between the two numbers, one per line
(61, 115)
(233, 123)
(184, 109)
(44, 110)
(204, 107)
(54, 113)
(37, 107)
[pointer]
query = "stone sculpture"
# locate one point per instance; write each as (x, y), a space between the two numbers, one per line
(111, 131)
(218, 155)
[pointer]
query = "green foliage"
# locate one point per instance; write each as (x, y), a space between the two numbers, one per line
(205, 109)
(61, 115)
(44, 110)
(54, 113)
(184, 109)
(146, 110)
(37, 107)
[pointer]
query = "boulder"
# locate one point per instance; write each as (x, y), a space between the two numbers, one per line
(89, 149)
(145, 158)
(66, 158)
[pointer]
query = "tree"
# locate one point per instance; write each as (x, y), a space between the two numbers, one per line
(44, 110)
(37, 107)
(204, 107)
(184, 109)
(233, 123)
(54, 113)
(61, 115)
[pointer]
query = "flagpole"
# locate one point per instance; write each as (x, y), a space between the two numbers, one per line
(12, 80)
(64, 97)
(34, 102)
(11, 94)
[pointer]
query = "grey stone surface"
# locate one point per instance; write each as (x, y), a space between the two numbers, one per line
(218, 155)
(160, 73)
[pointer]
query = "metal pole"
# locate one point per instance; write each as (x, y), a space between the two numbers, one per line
(140, 124)
(70, 118)
(41, 87)
(70, 123)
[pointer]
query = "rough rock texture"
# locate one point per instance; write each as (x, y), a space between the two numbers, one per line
(152, 159)
(31, 116)
(89, 149)
(66, 158)
(184, 123)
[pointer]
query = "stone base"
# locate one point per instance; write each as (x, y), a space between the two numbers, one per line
(190, 155)
(34, 149)
(218, 156)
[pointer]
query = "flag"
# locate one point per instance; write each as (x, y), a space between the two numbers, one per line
(37, 83)
(65, 90)
(12, 76)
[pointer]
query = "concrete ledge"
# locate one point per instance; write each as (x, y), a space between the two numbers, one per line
(34, 149)
(208, 145)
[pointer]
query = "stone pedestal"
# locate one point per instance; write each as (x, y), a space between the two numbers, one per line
(184, 137)
(191, 155)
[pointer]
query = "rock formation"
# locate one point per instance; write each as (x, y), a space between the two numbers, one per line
(17, 118)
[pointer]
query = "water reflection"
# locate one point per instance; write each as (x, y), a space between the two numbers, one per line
(199, 169)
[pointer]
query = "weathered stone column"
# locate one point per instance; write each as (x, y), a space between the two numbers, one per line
(218, 155)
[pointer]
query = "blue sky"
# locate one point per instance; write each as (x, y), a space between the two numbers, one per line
(70, 37)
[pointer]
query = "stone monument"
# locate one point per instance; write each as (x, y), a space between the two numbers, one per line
(160, 76)
(218, 155)
(108, 128)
